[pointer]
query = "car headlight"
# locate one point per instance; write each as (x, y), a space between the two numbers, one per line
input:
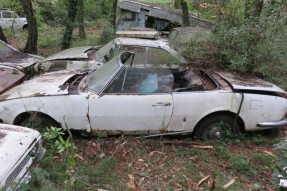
(34, 150)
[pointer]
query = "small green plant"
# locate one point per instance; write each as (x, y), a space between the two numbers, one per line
(242, 164)
(65, 147)
(222, 152)
(280, 172)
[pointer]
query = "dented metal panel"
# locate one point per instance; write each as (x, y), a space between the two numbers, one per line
(249, 83)
(158, 12)
(10, 56)
(45, 85)
(138, 34)
(79, 53)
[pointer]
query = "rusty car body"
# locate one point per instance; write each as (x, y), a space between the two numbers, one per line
(93, 57)
(125, 97)
(10, 56)
(20, 147)
(10, 77)
(137, 14)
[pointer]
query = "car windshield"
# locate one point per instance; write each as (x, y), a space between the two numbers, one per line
(104, 51)
(99, 78)
(4, 49)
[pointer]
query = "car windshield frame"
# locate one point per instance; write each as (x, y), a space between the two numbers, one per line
(100, 54)
(99, 79)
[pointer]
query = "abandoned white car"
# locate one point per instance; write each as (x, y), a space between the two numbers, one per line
(145, 44)
(126, 98)
(19, 148)
(10, 56)
(10, 20)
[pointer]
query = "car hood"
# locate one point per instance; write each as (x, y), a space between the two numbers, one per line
(9, 77)
(71, 53)
(48, 84)
(17, 59)
(14, 141)
(249, 83)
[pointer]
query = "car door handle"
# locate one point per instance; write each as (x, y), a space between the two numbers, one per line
(162, 104)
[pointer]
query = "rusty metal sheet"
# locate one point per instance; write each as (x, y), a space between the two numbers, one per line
(72, 53)
(158, 12)
(249, 83)
(9, 77)
(10, 56)
(48, 84)
(138, 34)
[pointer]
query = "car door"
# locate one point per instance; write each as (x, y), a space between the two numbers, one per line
(134, 102)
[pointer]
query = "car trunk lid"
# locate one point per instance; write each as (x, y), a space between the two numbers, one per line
(249, 83)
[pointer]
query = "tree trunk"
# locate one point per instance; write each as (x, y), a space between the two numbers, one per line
(31, 45)
(114, 14)
(70, 23)
(258, 6)
(2, 36)
(81, 14)
(185, 18)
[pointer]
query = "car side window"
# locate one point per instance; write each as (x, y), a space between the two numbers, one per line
(160, 57)
(8, 15)
(142, 81)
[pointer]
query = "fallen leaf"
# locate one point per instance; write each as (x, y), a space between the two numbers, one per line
(211, 183)
(229, 183)
(141, 160)
(132, 183)
(202, 180)
(152, 153)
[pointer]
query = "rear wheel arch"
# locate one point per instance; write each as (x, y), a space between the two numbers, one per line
(219, 114)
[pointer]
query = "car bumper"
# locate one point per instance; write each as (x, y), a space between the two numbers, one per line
(273, 124)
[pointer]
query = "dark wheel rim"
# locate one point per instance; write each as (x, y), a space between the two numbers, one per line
(217, 130)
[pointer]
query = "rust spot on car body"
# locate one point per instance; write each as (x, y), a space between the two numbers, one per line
(245, 80)
(2, 135)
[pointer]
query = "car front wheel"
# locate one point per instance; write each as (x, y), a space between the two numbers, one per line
(38, 121)
(217, 128)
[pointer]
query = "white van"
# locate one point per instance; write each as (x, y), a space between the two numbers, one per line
(10, 20)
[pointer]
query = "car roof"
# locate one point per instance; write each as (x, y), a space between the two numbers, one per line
(142, 42)
(155, 43)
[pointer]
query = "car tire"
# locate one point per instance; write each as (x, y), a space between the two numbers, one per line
(38, 121)
(216, 128)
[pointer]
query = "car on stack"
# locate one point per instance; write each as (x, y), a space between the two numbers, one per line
(146, 44)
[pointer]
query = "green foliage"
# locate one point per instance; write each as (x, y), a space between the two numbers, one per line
(13, 5)
(255, 45)
(281, 161)
(66, 147)
(107, 34)
(222, 152)
(242, 165)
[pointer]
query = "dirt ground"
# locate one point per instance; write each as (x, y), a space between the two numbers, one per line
(177, 163)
